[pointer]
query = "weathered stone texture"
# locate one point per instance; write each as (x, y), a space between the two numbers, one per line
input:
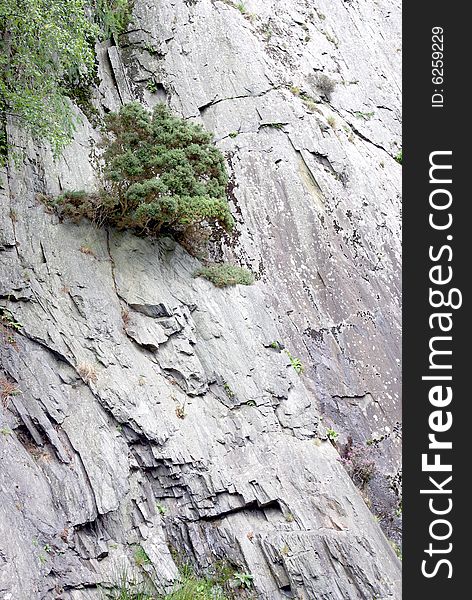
(142, 387)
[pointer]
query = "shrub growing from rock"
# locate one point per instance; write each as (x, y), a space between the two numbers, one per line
(325, 85)
(359, 463)
(161, 174)
(224, 274)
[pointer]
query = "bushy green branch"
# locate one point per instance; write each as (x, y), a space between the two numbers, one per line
(46, 50)
(162, 174)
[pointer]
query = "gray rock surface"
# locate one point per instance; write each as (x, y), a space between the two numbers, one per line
(148, 406)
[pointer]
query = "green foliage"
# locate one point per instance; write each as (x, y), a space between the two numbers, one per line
(218, 584)
(113, 16)
(224, 274)
(332, 434)
(210, 587)
(45, 46)
(243, 580)
(308, 100)
(228, 390)
(362, 115)
(399, 157)
(162, 174)
(46, 51)
(295, 362)
(161, 509)
(194, 588)
(7, 319)
(140, 557)
(152, 86)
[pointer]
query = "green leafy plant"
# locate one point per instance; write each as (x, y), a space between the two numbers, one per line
(140, 557)
(399, 157)
(113, 16)
(274, 125)
(46, 47)
(243, 580)
(363, 115)
(152, 86)
(225, 274)
(82, 96)
(332, 434)
(295, 362)
(8, 321)
(192, 587)
(228, 390)
(8, 326)
(46, 54)
(218, 583)
(150, 48)
(161, 509)
(308, 100)
(162, 174)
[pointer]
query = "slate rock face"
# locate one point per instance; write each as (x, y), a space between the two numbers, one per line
(147, 407)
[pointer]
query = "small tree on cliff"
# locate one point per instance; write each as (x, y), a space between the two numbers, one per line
(161, 174)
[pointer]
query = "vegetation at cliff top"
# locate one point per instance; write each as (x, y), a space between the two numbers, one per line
(46, 52)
